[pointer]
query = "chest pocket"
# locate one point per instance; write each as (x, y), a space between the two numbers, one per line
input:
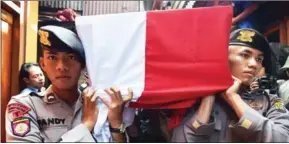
(257, 105)
(261, 105)
(53, 134)
(53, 128)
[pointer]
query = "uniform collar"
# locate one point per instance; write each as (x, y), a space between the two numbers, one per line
(32, 89)
(51, 97)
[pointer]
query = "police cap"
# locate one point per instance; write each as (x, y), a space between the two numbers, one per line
(60, 39)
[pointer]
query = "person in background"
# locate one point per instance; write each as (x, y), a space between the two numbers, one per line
(239, 115)
(243, 17)
(31, 78)
(284, 84)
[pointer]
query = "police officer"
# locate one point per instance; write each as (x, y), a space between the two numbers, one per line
(284, 84)
(62, 113)
(237, 115)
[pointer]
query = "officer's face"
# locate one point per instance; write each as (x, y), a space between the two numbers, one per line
(245, 63)
(36, 78)
(63, 69)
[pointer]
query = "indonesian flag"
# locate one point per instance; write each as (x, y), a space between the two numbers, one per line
(168, 58)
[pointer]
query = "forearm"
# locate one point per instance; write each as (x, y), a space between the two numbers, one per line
(205, 109)
(200, 124)
(238, 105)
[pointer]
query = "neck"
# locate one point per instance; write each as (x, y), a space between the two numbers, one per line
(243, 88)
(29, 86)
(69, 95)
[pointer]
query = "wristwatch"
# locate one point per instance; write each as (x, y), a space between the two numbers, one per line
(121, 129)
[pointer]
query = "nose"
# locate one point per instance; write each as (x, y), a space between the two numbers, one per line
(253, 63)
(41, 78)
(62, 65)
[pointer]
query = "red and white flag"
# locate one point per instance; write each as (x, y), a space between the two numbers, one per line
(169, 58)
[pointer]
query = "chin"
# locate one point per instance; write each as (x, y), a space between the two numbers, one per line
(64, 86)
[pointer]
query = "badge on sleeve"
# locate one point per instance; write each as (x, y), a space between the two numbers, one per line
(279, 105)
(246, 124)
(21, 126)
(17, 110)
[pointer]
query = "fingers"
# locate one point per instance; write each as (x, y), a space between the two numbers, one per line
(116, 92)
(237, 82)
(110, 93)
(130, 95)
(104, 101)
(236, 79)
(94, 97)
(235, 87)
(88, 92)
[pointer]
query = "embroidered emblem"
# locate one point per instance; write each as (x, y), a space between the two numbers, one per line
(51, 97)
(21, 126)
(17, 110)
(44, 38)
(257, 105)
(196, 124)
(279, 105)
(246, 124)
(246, 36)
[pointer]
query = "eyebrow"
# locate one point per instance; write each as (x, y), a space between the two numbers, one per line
(250, 52)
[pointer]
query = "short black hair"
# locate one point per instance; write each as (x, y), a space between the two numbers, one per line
(24, 73)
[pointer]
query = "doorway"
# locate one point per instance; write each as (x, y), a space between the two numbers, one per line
(6, 64)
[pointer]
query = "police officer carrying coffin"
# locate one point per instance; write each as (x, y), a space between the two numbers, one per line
(238, 115)
(62, 113)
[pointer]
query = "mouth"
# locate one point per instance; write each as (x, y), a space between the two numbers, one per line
(251, 74)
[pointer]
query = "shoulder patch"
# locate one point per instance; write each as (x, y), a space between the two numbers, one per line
(17, 110)
(279, 105)
(21, 126)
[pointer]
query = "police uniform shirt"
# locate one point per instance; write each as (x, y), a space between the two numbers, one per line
(28, 90)
(43, 117)
(284, 91)
(263, 122)
(267, 119)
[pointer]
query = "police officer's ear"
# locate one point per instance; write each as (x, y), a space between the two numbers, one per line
(26, 80)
